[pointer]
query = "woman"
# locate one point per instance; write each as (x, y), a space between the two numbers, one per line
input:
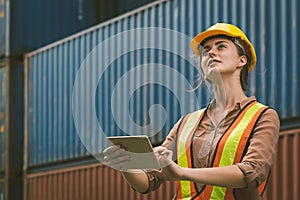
(224, 151)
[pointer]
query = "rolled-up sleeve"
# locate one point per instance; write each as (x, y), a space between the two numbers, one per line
(262, 150)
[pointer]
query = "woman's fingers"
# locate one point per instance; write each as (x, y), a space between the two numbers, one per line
(162, 151)
(111, 149)
(116, 157)
(114, 152)
(164, 156)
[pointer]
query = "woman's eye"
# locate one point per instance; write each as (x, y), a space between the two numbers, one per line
(221, 46)
(204, 51)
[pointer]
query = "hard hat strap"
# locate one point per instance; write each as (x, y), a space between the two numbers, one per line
(238, 43)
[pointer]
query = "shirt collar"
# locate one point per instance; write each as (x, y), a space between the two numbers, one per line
(238, 105)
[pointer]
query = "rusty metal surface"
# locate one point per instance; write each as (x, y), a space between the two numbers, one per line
(284, 180)
(88, 182)
(96, 181)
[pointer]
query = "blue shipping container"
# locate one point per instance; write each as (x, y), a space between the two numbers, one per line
(3, 28)
(32, 24)
(2, 117)
(116, 77)
(36, 23)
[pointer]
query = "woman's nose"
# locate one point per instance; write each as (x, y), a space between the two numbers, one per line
(211, 52)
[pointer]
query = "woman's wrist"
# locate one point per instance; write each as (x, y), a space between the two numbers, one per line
(184, 174)
(180, 172)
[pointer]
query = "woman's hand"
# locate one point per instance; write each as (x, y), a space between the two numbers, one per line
(170, 170)
(116, 157)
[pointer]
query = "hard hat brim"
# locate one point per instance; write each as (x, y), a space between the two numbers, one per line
(198, 39)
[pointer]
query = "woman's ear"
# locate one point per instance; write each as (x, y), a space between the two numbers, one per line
(242, 61)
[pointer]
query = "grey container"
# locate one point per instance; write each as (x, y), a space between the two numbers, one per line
(132, 58)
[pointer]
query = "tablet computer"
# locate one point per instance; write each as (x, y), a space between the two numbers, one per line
(140, 151)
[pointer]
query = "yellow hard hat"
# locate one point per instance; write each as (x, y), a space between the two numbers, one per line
(224, 29)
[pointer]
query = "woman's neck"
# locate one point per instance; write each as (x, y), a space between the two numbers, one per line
(227, 94)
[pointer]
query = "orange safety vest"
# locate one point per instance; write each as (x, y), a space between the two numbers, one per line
(230, 150)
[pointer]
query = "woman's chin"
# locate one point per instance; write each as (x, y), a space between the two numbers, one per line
(212, 73)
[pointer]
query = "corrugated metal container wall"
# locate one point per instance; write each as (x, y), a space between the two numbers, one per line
(285, 178)
(36, 23)
(3, 29)
(122, 54)
(2, 116)
(51, 75)
(90, 182)
(96, 181)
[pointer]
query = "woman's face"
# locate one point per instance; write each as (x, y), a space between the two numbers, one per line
(219, 56)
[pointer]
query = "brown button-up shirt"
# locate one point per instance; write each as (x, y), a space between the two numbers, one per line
(256, 163)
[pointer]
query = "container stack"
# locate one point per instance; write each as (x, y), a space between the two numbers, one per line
(133, 74)
(4, 48)
(24, 27)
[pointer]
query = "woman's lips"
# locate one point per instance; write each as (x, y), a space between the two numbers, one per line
(212, 62)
